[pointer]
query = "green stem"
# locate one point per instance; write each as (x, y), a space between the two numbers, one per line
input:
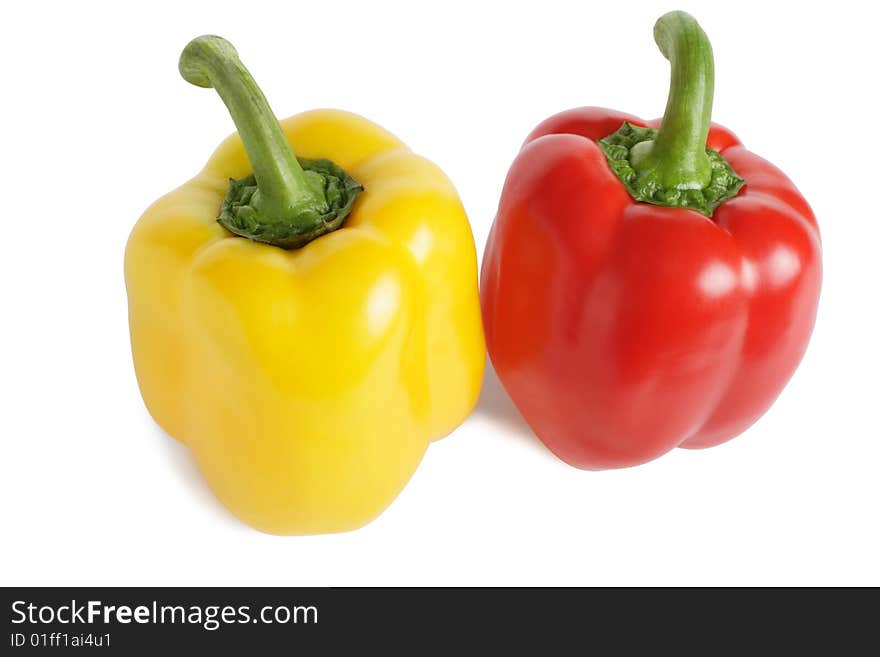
(212, 62)
(287, 201)
(677, 157)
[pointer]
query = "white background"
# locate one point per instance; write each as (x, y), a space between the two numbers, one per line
(96, 123)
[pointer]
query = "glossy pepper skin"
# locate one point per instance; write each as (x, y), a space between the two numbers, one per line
(308, 382)
(623, 329)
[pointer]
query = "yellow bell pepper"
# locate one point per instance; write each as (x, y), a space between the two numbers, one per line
(310, 356)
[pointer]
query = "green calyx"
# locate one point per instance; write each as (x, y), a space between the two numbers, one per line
(241, 214)
(286, 201)
(723, 182)
(672, 166)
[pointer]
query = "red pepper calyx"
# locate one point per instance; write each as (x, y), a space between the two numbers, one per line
(671, 165)
(723, 183)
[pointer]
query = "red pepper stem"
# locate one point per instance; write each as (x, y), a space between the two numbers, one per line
(677, 157)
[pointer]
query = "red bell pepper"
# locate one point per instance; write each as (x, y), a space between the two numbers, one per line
(647, 285)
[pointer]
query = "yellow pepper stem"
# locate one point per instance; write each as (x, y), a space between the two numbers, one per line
(287, 201)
